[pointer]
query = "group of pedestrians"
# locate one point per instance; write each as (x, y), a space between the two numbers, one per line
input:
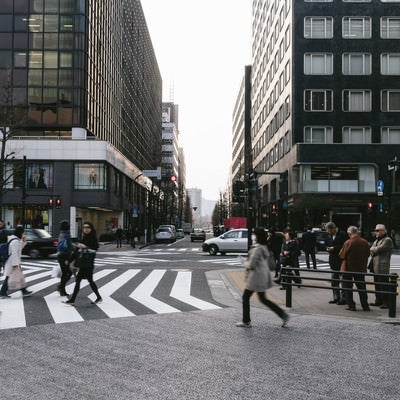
(348, 258)
(73, 259)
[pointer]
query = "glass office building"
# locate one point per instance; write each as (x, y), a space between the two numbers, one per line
(81, 82)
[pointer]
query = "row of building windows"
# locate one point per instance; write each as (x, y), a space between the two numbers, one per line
(353, 27)
(350, 1)
(48, 6)
(352, 64)
(275, 154)
(353, 100)
(351, 134)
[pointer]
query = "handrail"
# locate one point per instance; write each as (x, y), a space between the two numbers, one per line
(392, 284)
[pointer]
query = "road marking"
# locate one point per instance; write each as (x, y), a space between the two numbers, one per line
(111, 307)
(181, 292)
(143, 292)
(62, 312)
(12, 312)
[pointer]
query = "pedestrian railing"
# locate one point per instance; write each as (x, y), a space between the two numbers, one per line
(287, 278)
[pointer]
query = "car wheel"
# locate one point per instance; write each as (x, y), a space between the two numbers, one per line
(213, 250)
(34, 253)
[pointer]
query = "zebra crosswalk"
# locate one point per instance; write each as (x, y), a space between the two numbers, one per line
(125, 293)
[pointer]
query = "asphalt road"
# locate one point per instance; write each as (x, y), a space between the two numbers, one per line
(193, 353)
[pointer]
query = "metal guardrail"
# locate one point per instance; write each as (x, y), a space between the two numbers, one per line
(391, 285)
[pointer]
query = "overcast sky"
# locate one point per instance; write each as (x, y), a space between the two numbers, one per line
(202, 48)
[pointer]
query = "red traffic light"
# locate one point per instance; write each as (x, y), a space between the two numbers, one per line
(369, 205)
(50, 201)
(173, 178)
(58, 202)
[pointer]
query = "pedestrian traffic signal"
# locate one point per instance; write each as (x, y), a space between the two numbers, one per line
(172, 178)
(58, 202)
(50, 201)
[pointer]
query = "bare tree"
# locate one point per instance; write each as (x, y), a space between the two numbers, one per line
(10, 117)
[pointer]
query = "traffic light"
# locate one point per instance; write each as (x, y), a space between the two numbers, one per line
(172, 178)
(369, 209)
(58, 202)
(50, 201)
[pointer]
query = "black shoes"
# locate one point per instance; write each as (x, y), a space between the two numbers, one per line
(97, 301)
(334, 301)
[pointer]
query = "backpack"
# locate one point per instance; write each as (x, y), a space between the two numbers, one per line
(4, 250)
(62, 246)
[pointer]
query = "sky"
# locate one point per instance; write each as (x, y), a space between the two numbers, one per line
(202, 48)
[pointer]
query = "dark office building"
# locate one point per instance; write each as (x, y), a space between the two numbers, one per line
(325, 111)
(85, 92)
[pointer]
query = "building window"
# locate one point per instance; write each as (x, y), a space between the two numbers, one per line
(390, 100)
(39, 175)
(356, 64)
(318, 134)
(390, 27)
(356, 27)
(356, 135)
(318, 1)
(318, 27)
(390, 64)
(318, 100)
(356, 1)
(357, 100)
(390, 135)
(338, 178)
(318, 64)
(90, 176)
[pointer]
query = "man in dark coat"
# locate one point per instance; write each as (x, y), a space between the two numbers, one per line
(334, 242)
(308, 243)
(354, 255)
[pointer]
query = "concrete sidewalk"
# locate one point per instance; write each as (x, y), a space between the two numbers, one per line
(229, 284)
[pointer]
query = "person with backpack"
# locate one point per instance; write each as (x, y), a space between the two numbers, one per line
(16, 242)
(259, 279)
(64, 252)
(84, 256)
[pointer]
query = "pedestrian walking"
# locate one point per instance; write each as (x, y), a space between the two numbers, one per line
(17, 242)
(84, 256)
(354, 255)
(118, 236)
(308, 243)
(334, 242)
(259, 279)
(381, 251)
(64, 252)
(290, 253)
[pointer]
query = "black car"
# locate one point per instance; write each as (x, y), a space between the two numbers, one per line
(39, 243)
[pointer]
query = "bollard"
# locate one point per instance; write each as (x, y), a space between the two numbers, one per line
(392, 296)
(288, 287)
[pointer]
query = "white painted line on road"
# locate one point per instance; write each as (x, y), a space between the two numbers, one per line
(143, 292)
(181, 292)
(62, 312)
(12, 312)
(109, 306)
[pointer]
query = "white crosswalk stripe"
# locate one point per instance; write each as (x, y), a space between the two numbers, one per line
(110, 281)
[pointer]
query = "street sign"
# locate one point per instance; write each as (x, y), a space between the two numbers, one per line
(379, 187)
(152, 173)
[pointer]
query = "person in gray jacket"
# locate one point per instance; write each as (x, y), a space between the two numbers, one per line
(259, 279)
(381, 251)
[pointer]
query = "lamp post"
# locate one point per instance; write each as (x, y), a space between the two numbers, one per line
(393, 166)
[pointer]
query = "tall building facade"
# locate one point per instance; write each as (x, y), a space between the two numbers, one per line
(86, 98)
(325, 110)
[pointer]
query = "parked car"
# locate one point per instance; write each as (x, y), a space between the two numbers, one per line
(233, 241)
(198, 234)
(39, 243)
(165, 235)
(180, 234)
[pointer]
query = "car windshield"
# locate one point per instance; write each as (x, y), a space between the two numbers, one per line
(164, 230)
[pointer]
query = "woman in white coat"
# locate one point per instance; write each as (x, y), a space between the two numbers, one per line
(16, 244)
(259, 279)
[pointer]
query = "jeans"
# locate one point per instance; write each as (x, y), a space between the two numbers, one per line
(261, 295)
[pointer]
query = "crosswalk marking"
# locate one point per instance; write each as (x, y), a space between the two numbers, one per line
(63, 313)
(111, 307)
(143, 293)
(13, 312)
(181, 291)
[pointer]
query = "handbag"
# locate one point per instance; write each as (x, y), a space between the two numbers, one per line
(85, 259)
(56, 271)
(16, 280)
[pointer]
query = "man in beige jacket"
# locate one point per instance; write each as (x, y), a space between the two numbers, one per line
(381, 251)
